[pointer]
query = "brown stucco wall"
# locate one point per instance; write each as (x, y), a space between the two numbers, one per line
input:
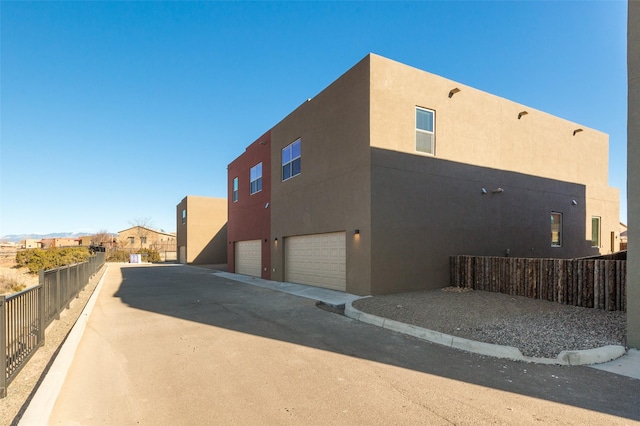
(250, 216)
(332, 193)
(204, 235)
(475, 127)
(425, 209)
(633, 176)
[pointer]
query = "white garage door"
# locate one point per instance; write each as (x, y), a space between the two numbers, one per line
(318, 260)
(249, 258)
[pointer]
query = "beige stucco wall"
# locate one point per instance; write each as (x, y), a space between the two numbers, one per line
(204, 233)
(477, 128)
(633, 176)
(153, 238)
(333, 191)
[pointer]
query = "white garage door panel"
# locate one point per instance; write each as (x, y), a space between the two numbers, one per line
(249, 258)
(318, 260)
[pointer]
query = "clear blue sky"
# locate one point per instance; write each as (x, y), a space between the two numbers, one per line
(112, 111)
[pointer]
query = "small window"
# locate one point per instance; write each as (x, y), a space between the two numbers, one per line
(595, 231)
(143, 240)
(291, 160)
(235, 189)
(132, 240)
(256, 179)
(184, 216)
(425, 135)
(556, 229)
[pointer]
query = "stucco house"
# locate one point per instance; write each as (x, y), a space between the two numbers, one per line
(371, 185)
(201, 224)
(138, 237)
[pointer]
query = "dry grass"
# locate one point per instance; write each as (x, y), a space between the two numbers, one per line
(12, 279)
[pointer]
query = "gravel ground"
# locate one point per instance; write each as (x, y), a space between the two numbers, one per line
(23, 387)
(537, 327)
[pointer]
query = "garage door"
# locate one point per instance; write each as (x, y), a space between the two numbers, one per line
(249, 258)
(318, 260)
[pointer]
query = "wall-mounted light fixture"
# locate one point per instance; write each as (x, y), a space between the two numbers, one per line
(265, 240)
(574, 202)
(453, 92)
(576, 131)
(356, 232)
(498, 190)
(484, 191)
(266, 206)
(276, 240)
(521, 114)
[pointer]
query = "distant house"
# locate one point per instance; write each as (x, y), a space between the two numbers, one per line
(59, 242)
(30, 243)
(138, 237)
(201, 224)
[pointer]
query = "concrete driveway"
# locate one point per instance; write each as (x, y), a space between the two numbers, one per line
(179, 345)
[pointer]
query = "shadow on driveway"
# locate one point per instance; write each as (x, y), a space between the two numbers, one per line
(195, 294)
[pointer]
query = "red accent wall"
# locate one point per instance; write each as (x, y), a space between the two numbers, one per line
(248, 217)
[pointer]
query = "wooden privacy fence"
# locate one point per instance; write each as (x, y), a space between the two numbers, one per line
(590, 283)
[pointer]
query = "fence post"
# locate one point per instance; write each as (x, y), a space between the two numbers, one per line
(78, 280)
(3, 348)
(42, 318)
(58, 301)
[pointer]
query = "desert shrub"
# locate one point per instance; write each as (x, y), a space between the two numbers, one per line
(10, 284)
(148, 255)
(37, 259)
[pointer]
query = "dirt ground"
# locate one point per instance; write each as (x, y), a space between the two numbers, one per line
(14, 279)
(23, 387)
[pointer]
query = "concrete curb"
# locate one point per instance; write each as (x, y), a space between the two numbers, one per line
(41, 406)
(583, 357)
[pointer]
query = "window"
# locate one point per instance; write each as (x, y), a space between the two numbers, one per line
(291, 160)
(184, 216)
(556, 229)
(425, 136)
(595, 231)
(143, 240)
(132, 240)
(235, 189)
(256, 179)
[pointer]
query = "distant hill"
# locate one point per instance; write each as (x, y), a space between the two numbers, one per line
(18, 238)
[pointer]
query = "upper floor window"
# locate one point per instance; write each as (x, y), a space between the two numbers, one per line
(143, 240)
(595, 231)
(255, 184)
(132, 240)
(291, 158)
(556, 229)
(184, 216)
(425, 136)
(235, 189)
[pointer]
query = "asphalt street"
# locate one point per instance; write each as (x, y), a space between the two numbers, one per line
(180, 345)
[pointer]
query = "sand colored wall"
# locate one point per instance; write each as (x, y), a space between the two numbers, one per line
(332, 193)
(633, 176)
(477, 128)
(204, 233)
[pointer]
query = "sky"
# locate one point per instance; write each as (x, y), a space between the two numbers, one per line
(112, 112)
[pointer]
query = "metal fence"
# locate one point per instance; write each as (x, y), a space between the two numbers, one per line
(25, 316)
(590, 283)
